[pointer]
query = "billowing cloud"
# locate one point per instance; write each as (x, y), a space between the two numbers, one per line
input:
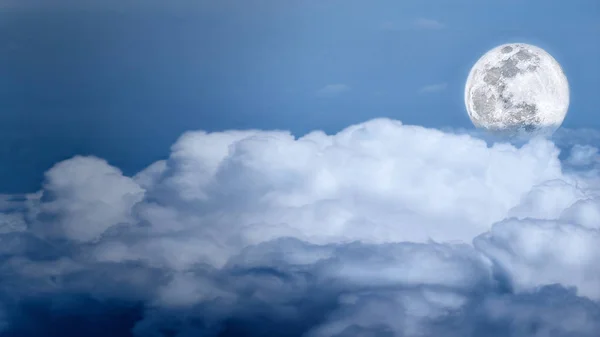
(583, 155)
(83, 197)
(533, 253)
(382, 229)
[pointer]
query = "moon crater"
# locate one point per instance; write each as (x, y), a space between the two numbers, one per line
(517, 88)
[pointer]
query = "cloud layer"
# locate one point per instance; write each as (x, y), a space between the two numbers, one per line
(383, 229)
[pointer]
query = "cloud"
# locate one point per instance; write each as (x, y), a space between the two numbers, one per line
(582, 155)
(333, 90)
(434, 88)
(534, 253)
(419, 24)
(550, 311)
(382, 229)
(83, 197)
(423, 23)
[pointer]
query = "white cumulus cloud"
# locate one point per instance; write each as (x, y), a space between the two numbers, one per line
(381, 229)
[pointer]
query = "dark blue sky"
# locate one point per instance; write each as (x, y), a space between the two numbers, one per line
(123, 81)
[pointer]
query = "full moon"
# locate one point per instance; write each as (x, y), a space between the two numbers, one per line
(517, 89)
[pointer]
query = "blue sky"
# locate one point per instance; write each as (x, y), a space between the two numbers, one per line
(136, 227)
(123, 81)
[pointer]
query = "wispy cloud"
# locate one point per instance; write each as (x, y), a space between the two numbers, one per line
(333, 89)
(424, 23)
(433, 88)
(419, 23)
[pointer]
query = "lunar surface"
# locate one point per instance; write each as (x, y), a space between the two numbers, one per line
(517, 89)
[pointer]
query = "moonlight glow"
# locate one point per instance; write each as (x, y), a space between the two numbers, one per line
(517, 88)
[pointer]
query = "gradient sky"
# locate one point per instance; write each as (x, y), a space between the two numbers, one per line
(123, 81)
